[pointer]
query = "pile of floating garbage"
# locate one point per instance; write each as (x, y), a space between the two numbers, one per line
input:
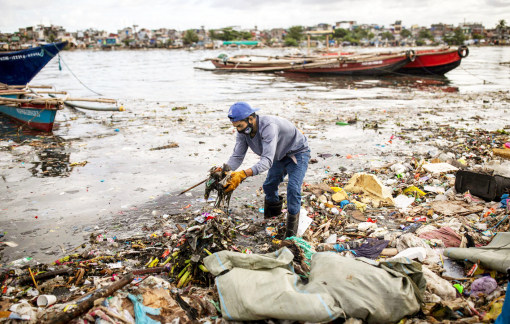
(423, 239)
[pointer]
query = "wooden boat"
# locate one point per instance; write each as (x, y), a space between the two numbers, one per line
(358, 65)
(20, 67)
(29, 108)
(253, 61)
(36, 115)
(435, 61)
(350, 64)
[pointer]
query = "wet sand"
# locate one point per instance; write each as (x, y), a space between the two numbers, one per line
(49, 207)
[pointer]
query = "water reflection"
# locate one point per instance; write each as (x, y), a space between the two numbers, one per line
(10, 130)
(422, 83)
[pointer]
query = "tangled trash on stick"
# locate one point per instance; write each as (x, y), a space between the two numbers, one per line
(218, 177)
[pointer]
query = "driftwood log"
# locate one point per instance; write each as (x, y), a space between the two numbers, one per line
(87, 302)
(46, 275)
(150, 270)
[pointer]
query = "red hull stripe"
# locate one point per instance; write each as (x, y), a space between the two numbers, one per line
(433, 60)
(45, 127)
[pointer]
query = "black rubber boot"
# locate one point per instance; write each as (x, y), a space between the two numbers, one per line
(292, 225)
(273, 209)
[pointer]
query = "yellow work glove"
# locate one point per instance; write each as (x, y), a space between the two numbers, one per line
(236, 178)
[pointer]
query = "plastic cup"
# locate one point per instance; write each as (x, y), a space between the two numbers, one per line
(46, 300)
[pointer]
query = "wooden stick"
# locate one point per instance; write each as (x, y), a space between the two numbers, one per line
(150, 270)
(34, 101)
(355, 235)
(50, 91)
(460, 279)
(32, 275)
(46, 275)
(93, 100)
(40, 86)
(198, 184)
(55, 100)
(31, 86)
(14, 92)
(88, 301)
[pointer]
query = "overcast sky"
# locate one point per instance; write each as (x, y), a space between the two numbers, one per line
(111, 15)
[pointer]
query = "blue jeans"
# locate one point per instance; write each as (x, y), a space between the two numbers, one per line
(296, 173)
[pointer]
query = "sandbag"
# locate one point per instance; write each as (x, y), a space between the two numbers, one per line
(256, 287)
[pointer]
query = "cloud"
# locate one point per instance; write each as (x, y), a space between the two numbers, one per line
(498, 3)
(112, 15)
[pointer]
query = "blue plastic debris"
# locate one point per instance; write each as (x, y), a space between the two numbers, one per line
(141, 311)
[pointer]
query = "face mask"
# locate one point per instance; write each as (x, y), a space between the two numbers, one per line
(247, 130)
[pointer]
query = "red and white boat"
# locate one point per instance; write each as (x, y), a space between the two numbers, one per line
(337, 64)
(373, 64)
(435, 61)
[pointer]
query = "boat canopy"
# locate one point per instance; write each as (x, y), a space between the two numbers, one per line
(241, 42)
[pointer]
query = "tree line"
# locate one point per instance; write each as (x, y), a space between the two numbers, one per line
(295, 34)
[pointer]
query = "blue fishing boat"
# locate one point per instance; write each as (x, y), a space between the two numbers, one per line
(34, 113)
(19, 68)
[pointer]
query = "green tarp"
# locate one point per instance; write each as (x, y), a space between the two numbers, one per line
(256, 287)
(495, 256)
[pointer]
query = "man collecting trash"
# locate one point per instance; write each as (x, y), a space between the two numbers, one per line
(283, 150)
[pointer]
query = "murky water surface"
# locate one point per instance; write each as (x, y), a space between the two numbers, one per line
(168, 75)
(48, 204)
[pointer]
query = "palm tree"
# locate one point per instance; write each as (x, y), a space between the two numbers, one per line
(500, 26)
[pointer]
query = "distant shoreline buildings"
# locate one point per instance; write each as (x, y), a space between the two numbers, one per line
(343, 33)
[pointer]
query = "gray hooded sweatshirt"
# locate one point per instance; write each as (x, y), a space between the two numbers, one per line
(276, 138)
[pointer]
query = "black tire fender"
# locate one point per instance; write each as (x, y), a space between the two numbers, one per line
(411, 54)
(463, 49)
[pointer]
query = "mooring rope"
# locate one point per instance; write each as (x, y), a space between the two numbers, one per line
(67, 66)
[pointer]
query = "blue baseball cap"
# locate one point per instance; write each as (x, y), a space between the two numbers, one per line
(240, 110)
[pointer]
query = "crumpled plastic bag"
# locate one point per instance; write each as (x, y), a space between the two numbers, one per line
(439, 286)
(398, 168)
(343, 203)
(402, 201)
(484, 285)
(360, 206)
(411, 240)
(141, 311)
(413, 253)
(365, 226)
(495, 310)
